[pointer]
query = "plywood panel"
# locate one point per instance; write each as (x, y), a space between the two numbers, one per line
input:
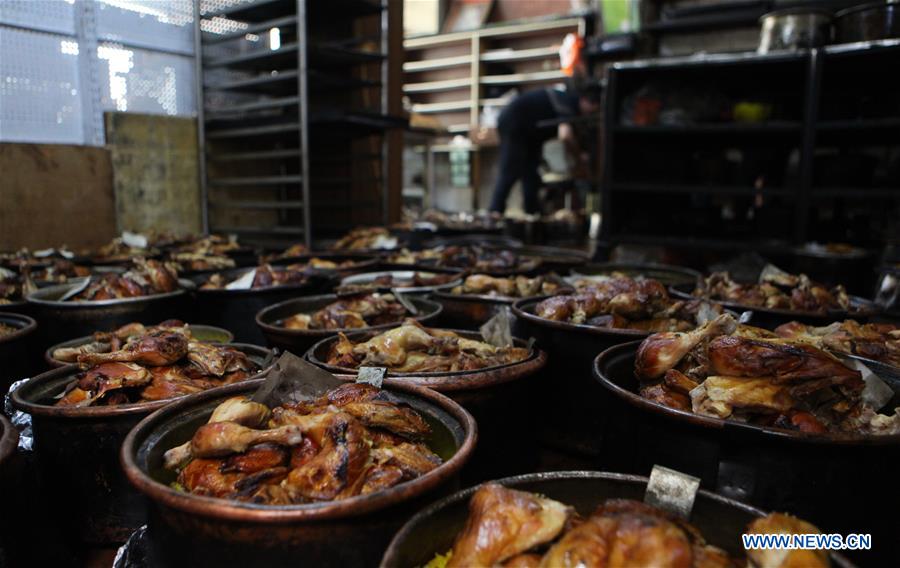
(52, 194)
(155, 173)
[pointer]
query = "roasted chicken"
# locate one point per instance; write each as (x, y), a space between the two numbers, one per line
(350, 312)
(106, 341)
(776, 289)
(365, 238)
(415, 348)
(156, 363)
(354, 440)
(878, 341)
(469, 257)
(622, 302)
(727, 370)
(511, 528)
(145, 278)
(509, 287)
(264, 276)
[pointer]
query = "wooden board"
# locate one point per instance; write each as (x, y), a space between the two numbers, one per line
(155, 173)
(53, 194)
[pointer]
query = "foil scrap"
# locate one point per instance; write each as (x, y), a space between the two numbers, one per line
(21, 420)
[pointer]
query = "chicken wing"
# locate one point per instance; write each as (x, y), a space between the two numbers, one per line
(157, 348)
(503, 523)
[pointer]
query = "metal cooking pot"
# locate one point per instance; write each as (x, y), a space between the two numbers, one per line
(76, 452)
(867, 22)
(503, 400)
(770, 318)
(191, 530)
(834, 481)
(17, 350)
(794, 28)
(235, 310)
(720, 520)
(62, 320)
(298, 341)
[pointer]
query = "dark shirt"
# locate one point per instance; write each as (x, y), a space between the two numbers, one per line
(522, 115)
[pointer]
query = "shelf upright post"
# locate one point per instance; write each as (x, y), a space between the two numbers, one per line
(610, 119)
(302, 94)
(201, 125)
(807, 151)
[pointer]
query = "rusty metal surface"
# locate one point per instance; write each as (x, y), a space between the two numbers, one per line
(190, 530)
(831, 480)
(76, 455)
(298, 341)
(432, 530)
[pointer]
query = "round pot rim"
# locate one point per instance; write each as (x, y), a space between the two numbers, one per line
(267, 327)
(611, 266)
(360, 261)
(402, 535)
(720, 424)
(285, 514)
(536, 358)
(798, 11)
(101, 412)
(868, 308)
(85, 339)
(368, 277)
(30, 325)
(520, 307)
(534, 263)
(9, 438)
(488, 299)
(34, 297)
(865, 7)
(297, 287)
(475, 298)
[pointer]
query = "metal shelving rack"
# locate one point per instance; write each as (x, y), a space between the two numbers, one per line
(809, 132)
(281, 120)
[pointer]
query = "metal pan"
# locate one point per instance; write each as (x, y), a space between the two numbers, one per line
(76, 453)
(235, 310)
(202, 332)
(834, 481)
(17, 349)
(572, 402)
(360, 262)
(503, 400)
(868, 22)
(470, 311)
(431, 531)
(61, 320)
(665, 273)
(9, 478)
(298, 341)
(190, 530)
(771, 318)
(368, 278)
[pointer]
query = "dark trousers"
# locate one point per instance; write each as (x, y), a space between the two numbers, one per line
(520, 156)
